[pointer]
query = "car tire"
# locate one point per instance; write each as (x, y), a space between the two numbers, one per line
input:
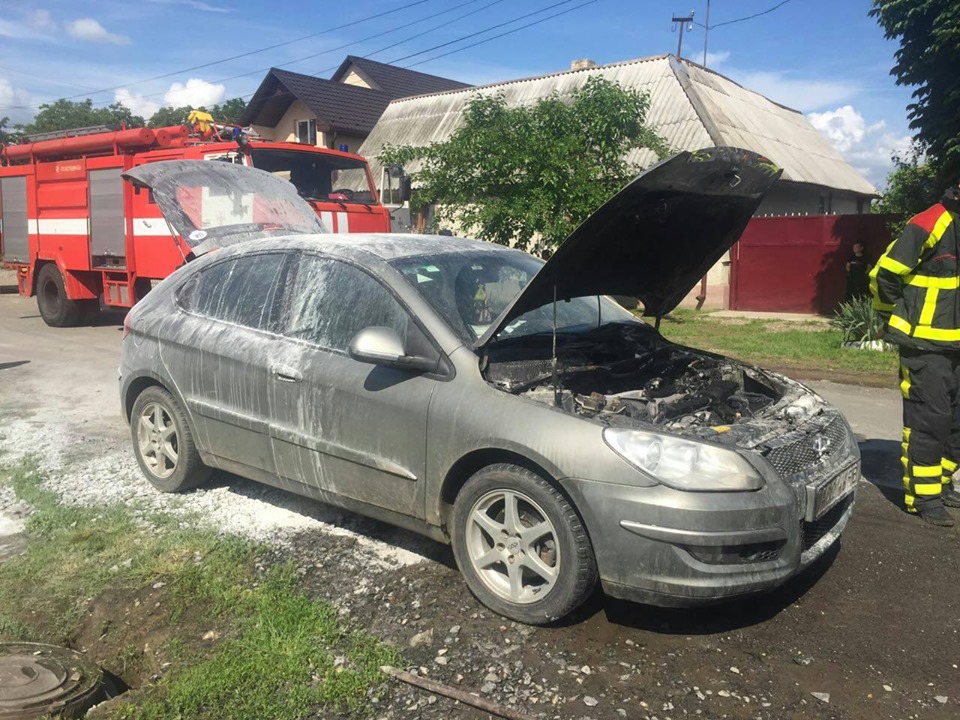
(163, 442)
(533, 576)
(55, 308)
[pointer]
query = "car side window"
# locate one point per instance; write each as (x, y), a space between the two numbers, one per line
(332, 301)
(240, 291)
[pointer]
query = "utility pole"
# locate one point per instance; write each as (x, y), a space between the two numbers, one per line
(706, 34)
(683, 21)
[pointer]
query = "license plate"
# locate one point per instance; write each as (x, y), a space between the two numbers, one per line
(824, 496)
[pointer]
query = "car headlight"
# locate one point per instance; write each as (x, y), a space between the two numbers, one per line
(683, 464)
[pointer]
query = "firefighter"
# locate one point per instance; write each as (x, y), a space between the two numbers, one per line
(916, 291)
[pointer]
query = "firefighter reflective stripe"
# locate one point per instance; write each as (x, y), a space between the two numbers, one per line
(894, 266)
(929, 333)
(943, 222)
(926, 471)
(929, 305)
(928, 488)
(900, 324)
(941, 283)
(949, 466)
(905, 391)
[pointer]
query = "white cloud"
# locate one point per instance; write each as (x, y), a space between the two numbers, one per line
(41, 21)
(715, 59)
(800, 94)
(92, 31)
(138, 104)
(867, 147)
(196, 5)
(14, 103)
(195, 92)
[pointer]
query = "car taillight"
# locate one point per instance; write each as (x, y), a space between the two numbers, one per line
(126, 325)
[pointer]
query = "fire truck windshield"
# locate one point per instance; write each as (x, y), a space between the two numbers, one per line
(318, 176)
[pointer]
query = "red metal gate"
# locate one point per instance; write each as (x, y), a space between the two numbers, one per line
(798, 264)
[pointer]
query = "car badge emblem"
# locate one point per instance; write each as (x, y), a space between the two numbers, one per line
(820, 446)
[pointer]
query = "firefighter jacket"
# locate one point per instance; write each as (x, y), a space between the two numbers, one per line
(916, 282)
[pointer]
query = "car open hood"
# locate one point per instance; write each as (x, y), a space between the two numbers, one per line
(213, 204)
(655, 238)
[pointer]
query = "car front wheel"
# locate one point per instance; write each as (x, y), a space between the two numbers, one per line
(521, 547)
(163, 443)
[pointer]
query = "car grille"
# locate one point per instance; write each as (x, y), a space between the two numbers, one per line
(813, 532)
(799, 455)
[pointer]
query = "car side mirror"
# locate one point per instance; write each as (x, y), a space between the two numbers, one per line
(383, 346)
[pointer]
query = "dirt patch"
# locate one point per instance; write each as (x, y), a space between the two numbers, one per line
(864, 379)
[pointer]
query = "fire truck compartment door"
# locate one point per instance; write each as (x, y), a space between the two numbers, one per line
(107, 223)
(216, 204)
(13, 215)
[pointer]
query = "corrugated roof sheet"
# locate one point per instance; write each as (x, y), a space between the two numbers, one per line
(690, 107)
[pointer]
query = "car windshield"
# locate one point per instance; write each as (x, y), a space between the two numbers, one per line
(470, 290)
(318, 176)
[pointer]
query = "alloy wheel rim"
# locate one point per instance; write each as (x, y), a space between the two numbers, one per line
(513, 547)
(158, 440)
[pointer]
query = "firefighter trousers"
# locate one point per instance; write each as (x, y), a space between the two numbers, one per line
(930, 385)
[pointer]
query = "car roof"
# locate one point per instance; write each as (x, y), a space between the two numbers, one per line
(385, 246)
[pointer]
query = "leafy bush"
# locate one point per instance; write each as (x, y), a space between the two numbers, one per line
(857, 321)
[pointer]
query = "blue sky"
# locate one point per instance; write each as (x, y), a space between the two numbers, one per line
(824, 57)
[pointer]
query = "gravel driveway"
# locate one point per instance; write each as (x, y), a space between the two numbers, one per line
(871, 632)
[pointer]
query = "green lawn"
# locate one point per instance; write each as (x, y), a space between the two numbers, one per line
(275, 654)
(809, 346)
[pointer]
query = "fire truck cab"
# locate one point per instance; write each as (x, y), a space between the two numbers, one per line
(81, 238)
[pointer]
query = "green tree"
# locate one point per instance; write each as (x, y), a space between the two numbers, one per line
(229, 111)
(69, 114)
(226, 112)
(928, 59)
(6, 133)
(167, 116)
(530, 174)
(911, 188)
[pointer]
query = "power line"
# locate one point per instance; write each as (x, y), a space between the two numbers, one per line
(480, 32)
(509, 32)
(406, 6)
(748, 17)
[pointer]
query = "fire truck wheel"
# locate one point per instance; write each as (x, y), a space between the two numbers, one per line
(163, 442)
(55, 308)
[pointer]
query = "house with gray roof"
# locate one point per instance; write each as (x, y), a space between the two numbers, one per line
(691, 107)
(336, 112)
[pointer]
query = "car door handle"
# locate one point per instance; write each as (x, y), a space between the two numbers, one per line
(284, 373)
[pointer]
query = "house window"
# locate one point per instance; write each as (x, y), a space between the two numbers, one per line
(307, 132)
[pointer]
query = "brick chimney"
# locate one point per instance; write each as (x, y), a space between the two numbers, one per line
(583, 64)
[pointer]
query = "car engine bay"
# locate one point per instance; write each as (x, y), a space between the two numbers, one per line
(626, 375)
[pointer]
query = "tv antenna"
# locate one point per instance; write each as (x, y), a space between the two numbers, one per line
(685, 21)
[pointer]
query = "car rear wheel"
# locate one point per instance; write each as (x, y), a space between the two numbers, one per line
(55, 308)
(163, 443)
(521, 547)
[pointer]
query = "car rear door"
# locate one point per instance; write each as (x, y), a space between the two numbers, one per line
(222, 353)
(346, 427)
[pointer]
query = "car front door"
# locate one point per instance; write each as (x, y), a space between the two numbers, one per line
(343, 426)
(223, 347)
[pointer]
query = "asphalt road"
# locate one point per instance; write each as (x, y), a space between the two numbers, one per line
(881, 613)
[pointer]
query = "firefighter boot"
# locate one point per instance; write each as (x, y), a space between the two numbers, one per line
(950, 496)
(933, 512)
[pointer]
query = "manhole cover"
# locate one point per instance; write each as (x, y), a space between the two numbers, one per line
(38, 680)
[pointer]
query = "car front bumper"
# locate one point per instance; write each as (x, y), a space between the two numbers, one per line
(678, 549)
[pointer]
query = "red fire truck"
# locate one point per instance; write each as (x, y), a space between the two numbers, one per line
(80, 238)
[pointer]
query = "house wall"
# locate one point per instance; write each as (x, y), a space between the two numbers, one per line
(353, 142)
(354, 78)
(286, 129)
(795, 199)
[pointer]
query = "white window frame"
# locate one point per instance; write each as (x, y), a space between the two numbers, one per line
(307, 131)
